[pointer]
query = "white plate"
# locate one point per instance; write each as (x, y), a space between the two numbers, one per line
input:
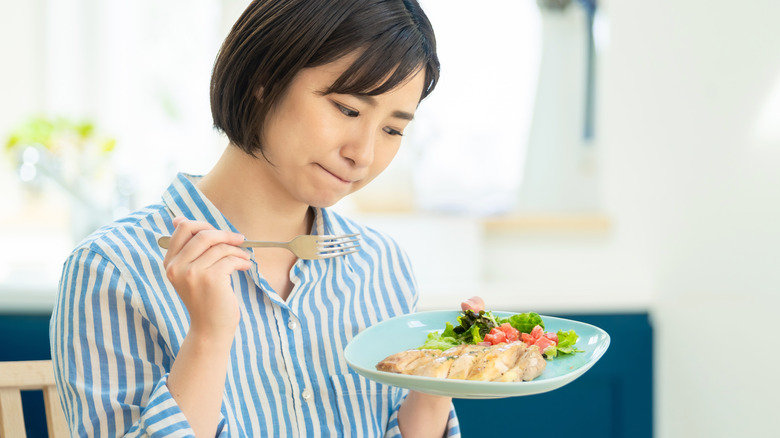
(410, 331)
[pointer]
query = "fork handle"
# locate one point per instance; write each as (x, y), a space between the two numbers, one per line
(165, 242)
(262, 244)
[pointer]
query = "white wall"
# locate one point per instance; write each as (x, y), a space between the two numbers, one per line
(683, 86)
(693, 191)
(21, 48)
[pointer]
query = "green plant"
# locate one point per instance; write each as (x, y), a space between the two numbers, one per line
(56, 134)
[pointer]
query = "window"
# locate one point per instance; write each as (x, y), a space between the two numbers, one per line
(464, 152)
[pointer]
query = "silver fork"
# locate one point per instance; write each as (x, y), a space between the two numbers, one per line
(309, 247)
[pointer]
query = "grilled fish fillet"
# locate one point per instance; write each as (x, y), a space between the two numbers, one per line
(512, 362)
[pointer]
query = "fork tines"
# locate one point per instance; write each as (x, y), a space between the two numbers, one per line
(334, 246)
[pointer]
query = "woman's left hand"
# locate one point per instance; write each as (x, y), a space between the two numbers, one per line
(423, 415)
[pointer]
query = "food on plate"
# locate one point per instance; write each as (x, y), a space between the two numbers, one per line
(507, 362)
(485, 348)
(485, 329)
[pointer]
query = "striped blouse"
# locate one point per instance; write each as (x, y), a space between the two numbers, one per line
(118, 325)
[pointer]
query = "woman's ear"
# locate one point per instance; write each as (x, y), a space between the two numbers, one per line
(259, 93)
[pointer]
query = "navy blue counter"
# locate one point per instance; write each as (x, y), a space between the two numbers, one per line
(614, 399)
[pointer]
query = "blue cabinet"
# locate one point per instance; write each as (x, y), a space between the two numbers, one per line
(614, 399)
(26, 337)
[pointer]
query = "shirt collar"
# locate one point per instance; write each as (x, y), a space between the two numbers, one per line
(183, 198)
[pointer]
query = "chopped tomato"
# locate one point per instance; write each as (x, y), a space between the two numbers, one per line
(543, 342)
(539, 338)
(496, 336)
(512, 334)
(527, 338)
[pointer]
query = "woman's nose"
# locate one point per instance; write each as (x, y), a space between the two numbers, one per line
(360, 149)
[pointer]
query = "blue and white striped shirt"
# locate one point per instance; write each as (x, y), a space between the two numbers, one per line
(118, 325)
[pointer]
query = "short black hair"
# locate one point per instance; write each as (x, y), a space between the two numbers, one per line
(274, 39)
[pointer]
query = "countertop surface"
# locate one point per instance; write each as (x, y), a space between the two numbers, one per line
(552, 273)
(36, 294)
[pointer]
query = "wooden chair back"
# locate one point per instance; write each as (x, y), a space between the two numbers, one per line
(23, 376)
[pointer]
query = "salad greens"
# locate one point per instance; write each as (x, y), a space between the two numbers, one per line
(472, 327)
(524, 322)
(566, 341)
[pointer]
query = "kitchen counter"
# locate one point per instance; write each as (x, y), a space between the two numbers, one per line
(548, 264)
(36, 294)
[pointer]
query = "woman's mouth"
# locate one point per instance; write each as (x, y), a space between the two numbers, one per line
(340, 179)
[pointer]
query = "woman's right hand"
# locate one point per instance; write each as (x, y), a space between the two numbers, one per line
(199, 263)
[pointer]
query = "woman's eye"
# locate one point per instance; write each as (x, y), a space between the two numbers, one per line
(349, 112)
(392, 131)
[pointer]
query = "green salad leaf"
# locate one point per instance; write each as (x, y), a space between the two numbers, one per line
(436, 341)
(566, 341)
(442, 341)
(524, 322)
(472, 327)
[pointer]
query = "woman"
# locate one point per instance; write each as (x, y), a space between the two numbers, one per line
(208, 339)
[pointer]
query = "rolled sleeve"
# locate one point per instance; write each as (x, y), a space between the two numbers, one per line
(162, 416)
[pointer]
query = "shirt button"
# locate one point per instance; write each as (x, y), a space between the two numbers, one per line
(307, 394)
(292, 324)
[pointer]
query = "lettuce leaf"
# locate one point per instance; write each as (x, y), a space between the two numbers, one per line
(441, 341)
(436, 341)
(566, 341)
(524, 322)
(472, 327)
(476, 338)
(471, 330)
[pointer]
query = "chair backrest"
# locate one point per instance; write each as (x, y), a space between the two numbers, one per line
(29, 375)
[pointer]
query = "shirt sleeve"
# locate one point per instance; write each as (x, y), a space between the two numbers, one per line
(110, 366)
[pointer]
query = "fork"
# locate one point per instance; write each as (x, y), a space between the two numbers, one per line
(308, 247)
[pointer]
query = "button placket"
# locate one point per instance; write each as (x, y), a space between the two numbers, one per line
(297, 385)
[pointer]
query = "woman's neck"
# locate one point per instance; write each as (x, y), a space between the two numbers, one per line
(243, 189)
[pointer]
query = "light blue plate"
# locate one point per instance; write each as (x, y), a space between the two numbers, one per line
(410, 331)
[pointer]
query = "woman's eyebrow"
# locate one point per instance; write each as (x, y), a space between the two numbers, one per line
(371, 100)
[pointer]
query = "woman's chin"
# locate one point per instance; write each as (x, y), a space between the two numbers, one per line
(325, 201)
(329, 198)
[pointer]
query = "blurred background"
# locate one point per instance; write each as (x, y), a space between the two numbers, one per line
(617, 162)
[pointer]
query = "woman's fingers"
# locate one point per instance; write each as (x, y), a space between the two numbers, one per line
(209, 259)
(193, 238)
(474, 303)
(199, 262)
(185, 230)
(196, 247)
(229, 264)
(209, 273)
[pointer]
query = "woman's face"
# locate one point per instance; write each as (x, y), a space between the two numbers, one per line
(324, 147)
